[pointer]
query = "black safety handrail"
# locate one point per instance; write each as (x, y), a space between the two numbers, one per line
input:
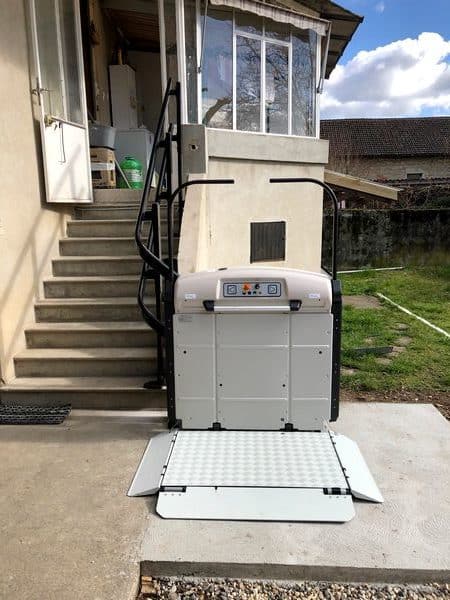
(330, 193)
(153, 261)
(150, 245)
(159, 143)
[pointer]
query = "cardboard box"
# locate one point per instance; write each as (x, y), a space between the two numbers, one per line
(103, 168)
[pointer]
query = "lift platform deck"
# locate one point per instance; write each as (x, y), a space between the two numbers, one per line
(254, 475)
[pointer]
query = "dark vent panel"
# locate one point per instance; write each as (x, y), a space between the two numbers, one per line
(267, 241)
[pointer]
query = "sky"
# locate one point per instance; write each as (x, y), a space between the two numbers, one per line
(397, 63)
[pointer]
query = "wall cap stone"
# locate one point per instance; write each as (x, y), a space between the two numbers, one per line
(266, 147)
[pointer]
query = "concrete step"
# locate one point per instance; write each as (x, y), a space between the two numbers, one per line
(93, 287)
(117, 196)
(101, 228)
(99, 393)
(123, 334)
(85, 362)
(106, 228)
(97, 247)
(114, 211)
(111, 246)
(96, 266)
(107, 211)
(87, 309)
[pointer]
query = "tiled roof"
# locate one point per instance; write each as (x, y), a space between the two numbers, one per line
(427, 136)
(423, 182)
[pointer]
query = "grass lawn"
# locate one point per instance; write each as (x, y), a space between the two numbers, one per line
(425, 362)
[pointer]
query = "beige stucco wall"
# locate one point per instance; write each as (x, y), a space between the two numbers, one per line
(28, 229)
(392, 168)
(216, 225)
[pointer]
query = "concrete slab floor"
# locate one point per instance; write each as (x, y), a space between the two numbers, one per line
(406, 539)
(67, 529)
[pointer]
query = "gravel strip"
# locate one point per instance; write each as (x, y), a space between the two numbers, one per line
(173, 588)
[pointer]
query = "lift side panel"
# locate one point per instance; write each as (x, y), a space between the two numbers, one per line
(252, 370)
(310, 370)
(195, 370)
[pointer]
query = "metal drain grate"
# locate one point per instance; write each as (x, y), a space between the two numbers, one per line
(33, 415)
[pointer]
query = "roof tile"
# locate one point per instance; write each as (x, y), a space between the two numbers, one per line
(425, 136)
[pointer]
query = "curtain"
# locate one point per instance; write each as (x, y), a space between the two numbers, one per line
(281, 15)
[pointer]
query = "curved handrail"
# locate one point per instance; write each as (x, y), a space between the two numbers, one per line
(166, 270)
(157, 142)
(172, 274)
(333, 198)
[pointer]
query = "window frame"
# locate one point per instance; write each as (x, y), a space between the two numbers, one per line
(263, 38)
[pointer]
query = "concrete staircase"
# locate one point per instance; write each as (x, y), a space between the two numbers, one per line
(89, 345)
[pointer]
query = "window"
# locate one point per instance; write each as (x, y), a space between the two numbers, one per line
(190, 27)
(256, 74)
(414, 176)
(304, 83)
(217, 69)
(248, 84)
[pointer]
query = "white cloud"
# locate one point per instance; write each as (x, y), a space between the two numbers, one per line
(379, 7)
(404, 78)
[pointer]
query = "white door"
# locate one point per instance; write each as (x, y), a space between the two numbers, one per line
(56, 41)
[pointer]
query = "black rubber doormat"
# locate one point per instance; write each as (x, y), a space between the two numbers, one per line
(33, 415)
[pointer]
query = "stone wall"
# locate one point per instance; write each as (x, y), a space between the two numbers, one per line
(390, 238)
(390, 168)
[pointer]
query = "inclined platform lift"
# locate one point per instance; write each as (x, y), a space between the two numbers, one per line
(252, 368)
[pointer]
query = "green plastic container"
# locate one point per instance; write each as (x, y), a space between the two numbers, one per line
(132, 169)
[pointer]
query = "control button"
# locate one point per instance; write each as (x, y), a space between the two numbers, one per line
(231, 290)
(272, 289)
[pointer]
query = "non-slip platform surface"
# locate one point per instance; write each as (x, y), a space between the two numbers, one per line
(254, 458)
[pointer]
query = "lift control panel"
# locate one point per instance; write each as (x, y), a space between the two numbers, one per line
(264, 289)
(269, 289)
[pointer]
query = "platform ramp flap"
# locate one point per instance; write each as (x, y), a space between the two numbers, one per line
(359, 477)
(147, 480)
(254, 504)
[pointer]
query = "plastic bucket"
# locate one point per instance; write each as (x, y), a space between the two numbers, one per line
(102, 136)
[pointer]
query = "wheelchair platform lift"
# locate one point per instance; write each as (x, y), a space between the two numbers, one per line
(252, 369)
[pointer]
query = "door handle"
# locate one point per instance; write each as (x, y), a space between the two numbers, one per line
(37, 91)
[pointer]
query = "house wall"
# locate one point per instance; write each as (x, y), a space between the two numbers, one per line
(391, 168)
(219, 217)
(29, 230)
